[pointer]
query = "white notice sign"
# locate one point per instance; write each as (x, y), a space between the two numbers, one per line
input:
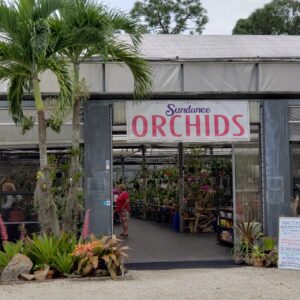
(289, 243)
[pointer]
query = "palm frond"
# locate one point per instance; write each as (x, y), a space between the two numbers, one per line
(9, 69)
(140, 69)
(8, 21)
(62, 72)
(120, 21)
(83, 24)
(18, 79)
(45, 8)
(25, 9)
(15, 93)
(12, 52)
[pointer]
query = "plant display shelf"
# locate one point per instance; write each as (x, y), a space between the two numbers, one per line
(225, 225)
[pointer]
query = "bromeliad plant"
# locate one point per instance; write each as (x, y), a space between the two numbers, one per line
(92, 253)
(88, 254)
(114, 255)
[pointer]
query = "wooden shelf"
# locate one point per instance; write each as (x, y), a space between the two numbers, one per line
(225, 211)
(225, 218)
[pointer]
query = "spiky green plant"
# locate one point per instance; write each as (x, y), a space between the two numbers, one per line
(63, 262)
(42, 249)
(10, 249)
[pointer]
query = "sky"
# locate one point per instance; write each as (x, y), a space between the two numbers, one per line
(222, 14)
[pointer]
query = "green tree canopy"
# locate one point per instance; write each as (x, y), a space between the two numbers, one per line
(170, 16)
(275, 18)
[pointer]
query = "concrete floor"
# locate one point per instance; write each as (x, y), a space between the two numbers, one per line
(150, 242)
(246, 283)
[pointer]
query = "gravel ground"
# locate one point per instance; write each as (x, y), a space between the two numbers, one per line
(232, 283)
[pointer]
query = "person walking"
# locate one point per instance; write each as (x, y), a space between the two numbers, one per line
(123, 208)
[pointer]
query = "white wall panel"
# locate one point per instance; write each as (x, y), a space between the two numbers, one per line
(219, 77)
(166, 77)
(93, 74)
(118, 79)
(3, 87)
(279, 77)
(49, 83)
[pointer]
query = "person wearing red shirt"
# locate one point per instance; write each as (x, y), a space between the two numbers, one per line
(123, 207)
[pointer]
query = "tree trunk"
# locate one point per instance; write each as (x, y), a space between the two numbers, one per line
(47, 211)
(44, 200)
(72, 206)
(42, 139)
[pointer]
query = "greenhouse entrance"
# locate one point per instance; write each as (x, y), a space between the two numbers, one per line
(193, 170)
(160, 228)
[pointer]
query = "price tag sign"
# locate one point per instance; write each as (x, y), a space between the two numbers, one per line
(289, 243)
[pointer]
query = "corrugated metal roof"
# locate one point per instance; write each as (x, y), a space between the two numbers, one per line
(198, 47)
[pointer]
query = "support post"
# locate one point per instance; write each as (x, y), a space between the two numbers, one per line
(98, 165)
(181, 183)
(277, 169)
(123, 169)
(144, 164)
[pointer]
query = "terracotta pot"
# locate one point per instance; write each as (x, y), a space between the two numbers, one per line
(258, 262)
(16, 215)
(50, 274)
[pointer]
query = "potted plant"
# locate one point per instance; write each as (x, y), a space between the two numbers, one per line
(268, 243)
(272, 258)
(257, 256)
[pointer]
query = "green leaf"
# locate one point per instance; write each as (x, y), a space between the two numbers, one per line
(63, 262)
(10, 249)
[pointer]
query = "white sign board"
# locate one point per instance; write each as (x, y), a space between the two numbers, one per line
(188, 121)
(289, 243)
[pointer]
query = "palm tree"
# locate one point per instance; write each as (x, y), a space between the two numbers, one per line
(91, 30)
(27, 49)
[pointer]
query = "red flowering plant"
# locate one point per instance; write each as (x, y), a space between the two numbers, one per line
(200, 186)
(199, 180)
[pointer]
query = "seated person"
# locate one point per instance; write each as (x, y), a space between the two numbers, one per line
(10, 199)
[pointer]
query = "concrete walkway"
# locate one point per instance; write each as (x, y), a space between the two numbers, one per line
(226, 284)
(150, 242)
